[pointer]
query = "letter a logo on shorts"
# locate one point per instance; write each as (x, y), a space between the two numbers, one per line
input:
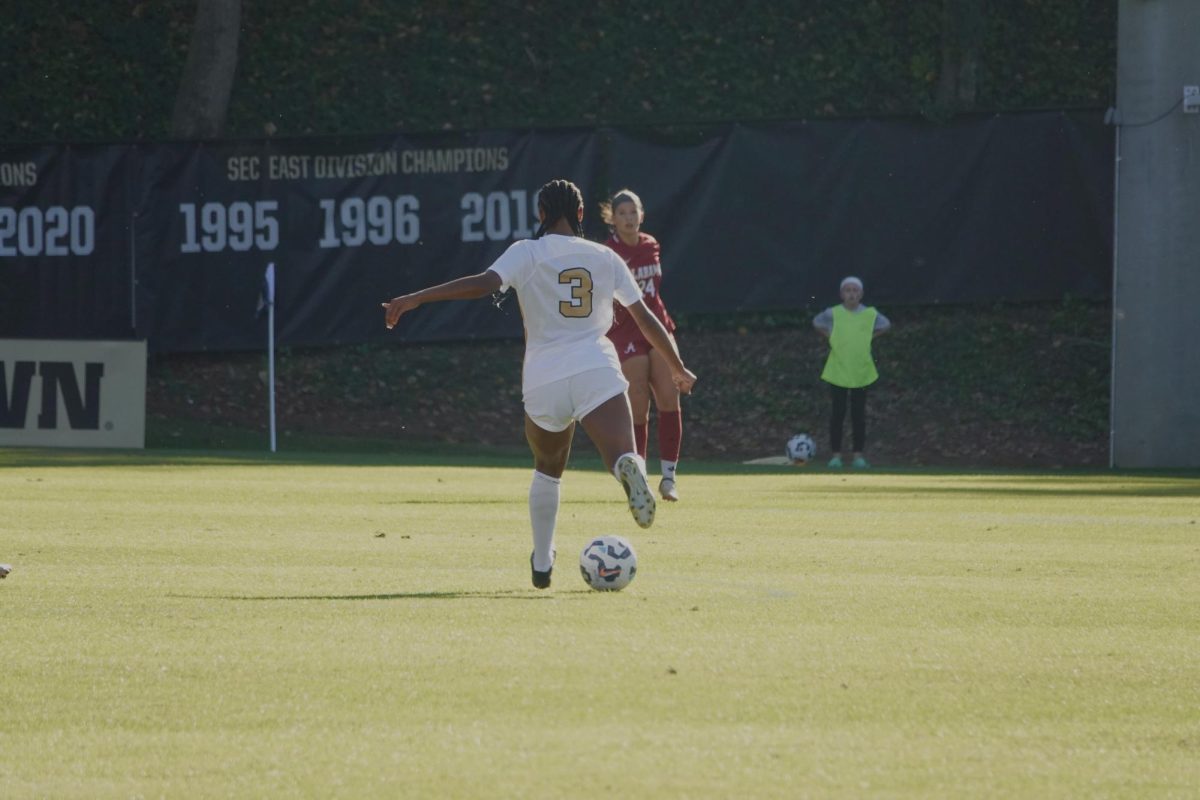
(629, 348)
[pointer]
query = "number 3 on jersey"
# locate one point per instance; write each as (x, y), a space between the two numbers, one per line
(580, 304)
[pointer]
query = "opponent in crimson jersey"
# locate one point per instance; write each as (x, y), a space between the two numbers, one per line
(643, 261)
(642, 366)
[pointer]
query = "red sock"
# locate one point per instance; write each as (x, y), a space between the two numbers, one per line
(641, 435)
(670, 434)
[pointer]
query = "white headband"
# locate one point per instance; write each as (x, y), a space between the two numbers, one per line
(851, 281)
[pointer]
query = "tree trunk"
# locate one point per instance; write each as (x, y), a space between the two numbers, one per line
(962, 33)
(203, 99)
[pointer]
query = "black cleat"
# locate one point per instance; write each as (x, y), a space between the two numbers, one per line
(541, 580)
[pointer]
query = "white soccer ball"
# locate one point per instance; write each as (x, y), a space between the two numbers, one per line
(801, 448)
(608, 563)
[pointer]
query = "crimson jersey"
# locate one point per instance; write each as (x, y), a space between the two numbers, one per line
(643, 261)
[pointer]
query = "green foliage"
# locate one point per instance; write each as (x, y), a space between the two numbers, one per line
(1032, 374)
(93, 70)
(1010, 385)
(90, 69)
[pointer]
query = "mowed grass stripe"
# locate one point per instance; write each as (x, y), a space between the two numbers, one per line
(255, 629)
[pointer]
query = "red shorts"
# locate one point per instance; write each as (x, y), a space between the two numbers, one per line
(629, 348)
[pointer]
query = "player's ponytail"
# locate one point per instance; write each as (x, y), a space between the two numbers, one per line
(560, 199)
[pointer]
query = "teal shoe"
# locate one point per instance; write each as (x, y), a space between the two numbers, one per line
(835, 462)
(860, 463)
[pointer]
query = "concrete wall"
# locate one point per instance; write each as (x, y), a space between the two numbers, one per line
(1156, 291)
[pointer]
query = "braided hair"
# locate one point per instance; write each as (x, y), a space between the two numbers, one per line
(560, 199)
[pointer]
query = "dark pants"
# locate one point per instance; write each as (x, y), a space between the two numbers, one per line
(858, 417)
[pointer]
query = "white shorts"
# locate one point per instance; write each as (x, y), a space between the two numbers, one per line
(554, 406)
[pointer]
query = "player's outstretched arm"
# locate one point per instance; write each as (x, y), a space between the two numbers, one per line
(468, 288)
(658, 337)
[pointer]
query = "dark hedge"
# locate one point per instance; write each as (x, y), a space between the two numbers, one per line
(96, 70)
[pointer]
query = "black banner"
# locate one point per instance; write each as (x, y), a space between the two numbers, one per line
(168, 242)
(773, 217)
(348, 224)
(65, 243)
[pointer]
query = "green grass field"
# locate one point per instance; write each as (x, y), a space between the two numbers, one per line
(188, 625)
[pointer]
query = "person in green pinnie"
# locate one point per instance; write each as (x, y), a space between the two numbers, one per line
(849, 370)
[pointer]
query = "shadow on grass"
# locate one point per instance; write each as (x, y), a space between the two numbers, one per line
(50, 457)
(1103, 486)
(503, 595)
(508, 458)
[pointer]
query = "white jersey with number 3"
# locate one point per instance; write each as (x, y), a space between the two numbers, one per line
(566, 286)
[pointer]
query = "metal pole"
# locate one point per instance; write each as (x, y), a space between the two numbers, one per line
(271, 365)
(269, 296)
(1112, 354)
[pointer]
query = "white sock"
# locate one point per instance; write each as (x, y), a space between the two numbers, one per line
(641, 462)
(668, 469)
(543, 516)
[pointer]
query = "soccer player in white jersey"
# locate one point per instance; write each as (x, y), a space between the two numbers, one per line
(566, 286)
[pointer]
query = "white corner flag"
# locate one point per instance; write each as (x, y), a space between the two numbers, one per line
(266, 301)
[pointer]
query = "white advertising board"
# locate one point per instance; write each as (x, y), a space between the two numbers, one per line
(72, 393)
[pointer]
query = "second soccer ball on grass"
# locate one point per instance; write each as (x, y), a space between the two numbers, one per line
(801, 448)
